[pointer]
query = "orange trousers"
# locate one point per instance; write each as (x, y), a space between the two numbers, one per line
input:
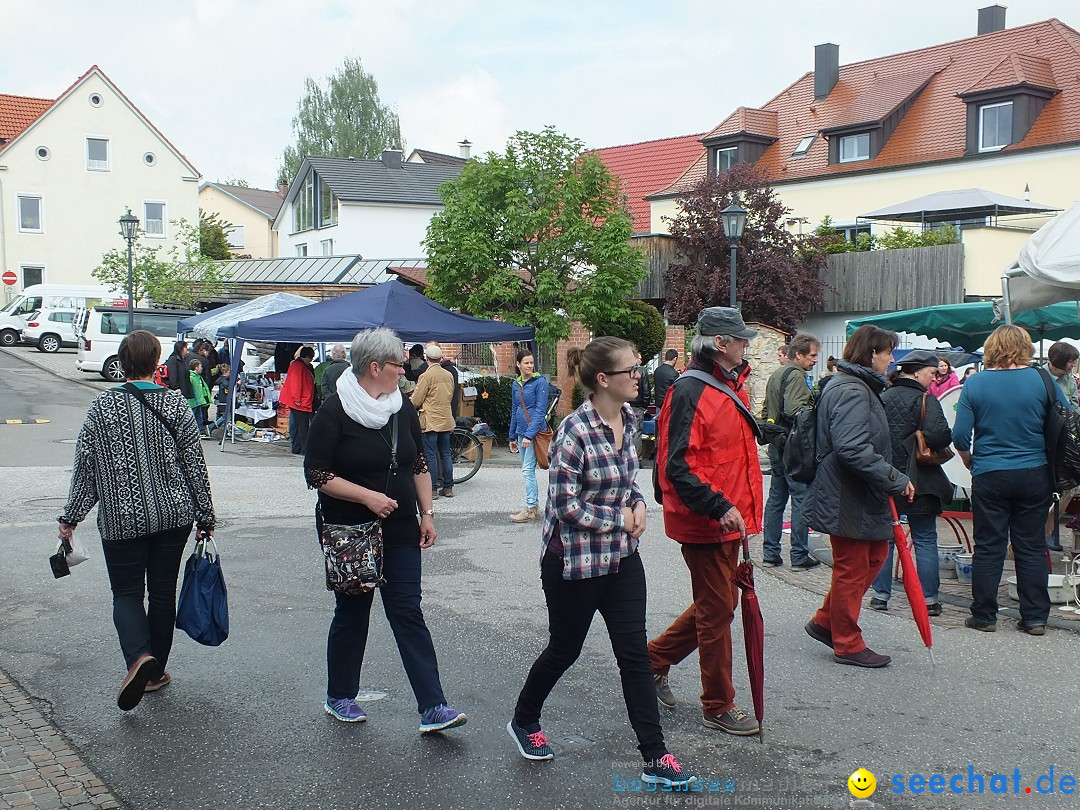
(855, 564)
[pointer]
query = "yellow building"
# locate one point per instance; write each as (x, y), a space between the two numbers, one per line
(999, 111)
(250, 213)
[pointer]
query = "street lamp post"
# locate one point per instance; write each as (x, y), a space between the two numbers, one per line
(129, 229)
(734, 220)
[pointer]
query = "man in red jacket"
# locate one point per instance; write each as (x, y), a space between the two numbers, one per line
(298, 395)
(708, 478)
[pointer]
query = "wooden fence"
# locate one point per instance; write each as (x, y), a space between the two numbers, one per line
(889, 280)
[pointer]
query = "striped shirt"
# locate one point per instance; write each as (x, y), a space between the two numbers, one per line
(589, 484)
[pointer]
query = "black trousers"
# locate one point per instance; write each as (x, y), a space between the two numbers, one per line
(1010, 506)
(148, 565)
(299, 422)
(620, 599)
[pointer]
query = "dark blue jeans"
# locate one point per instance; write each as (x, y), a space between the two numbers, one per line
(148, 565)
(401, 602)
(1010, 506)
(781, 487)
(439, 456)
(572, 603)
(924, 537)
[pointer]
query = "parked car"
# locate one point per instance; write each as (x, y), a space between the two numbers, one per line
(49, 329)
(49, 296)
(100, 329)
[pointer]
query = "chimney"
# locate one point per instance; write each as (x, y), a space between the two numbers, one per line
(391, 158)
(465, 148)
(826, 69)
(991, 18)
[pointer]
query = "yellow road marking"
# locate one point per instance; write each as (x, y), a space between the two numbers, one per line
(26, 421)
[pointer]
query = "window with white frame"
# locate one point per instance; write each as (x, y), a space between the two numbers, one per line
(726, 158)
(234, 235)
(97, 154)
(327, 246)
(804, 146)
(301, 250)
(154, 219)
(32, 274)
(995, 126)
(31, 219)
(854, 147)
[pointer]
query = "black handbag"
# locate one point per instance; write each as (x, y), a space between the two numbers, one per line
(353, 553)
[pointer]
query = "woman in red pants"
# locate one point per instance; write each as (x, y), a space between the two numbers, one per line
(849, 496)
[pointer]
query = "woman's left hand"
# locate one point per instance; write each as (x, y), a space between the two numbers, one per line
(639, 520)
(66, 531)
(427, 531)
(525, 443)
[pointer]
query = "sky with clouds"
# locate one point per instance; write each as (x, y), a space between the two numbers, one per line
(221, 78)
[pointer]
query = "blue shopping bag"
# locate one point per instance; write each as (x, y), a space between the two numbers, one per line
(203, 609)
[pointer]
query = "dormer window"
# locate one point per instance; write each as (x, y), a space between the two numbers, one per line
(804, 146)
(995, 126)
(854, 148)
(725, 158)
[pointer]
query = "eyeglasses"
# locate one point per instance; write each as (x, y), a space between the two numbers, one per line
(633, 371)
(392, 363)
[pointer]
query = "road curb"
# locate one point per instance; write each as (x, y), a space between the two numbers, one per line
(29, 359)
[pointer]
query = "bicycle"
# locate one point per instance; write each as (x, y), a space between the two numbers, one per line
(467, 453)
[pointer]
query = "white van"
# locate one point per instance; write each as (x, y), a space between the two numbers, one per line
(52, 296)
(100, 330)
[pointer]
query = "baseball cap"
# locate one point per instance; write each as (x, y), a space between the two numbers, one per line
(723, 321)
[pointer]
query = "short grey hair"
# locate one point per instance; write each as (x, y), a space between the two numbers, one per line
(375, 346)
(703, 345)
(338, 352)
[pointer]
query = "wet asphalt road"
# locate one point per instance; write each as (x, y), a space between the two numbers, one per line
(242, 725)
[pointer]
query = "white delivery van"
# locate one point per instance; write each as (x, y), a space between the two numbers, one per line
(52, 296)
(100, 330)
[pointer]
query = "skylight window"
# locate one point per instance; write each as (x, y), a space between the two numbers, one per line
(804, 146)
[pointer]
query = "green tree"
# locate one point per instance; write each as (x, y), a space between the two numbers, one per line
(213, 240)
(644, 326)
(344, 118)
(537, 236)
(183, 278)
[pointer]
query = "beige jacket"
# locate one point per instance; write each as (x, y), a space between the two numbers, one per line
(434, 391)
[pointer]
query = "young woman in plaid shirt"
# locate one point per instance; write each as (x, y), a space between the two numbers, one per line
(594, 516)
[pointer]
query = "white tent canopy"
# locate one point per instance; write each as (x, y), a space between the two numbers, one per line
(221, 323)
(1048, 267)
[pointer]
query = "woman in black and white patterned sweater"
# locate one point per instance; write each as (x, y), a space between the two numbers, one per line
(139, 458)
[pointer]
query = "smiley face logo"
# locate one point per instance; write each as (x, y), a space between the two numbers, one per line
(862, 784)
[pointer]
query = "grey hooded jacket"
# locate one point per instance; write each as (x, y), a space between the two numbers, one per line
(849, 494)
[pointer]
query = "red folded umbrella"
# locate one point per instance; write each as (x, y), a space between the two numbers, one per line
(912, 585)
(753, 633)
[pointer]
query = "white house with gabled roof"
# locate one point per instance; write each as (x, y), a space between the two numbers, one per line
(69, 169)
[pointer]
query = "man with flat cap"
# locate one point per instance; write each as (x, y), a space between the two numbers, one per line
(909, 407)
(708, 478)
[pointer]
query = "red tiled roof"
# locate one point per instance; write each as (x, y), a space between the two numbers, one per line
(748, 119)
(414, 275)
(934, 128)
(1014, 69)
(19, 112)
(648, 166)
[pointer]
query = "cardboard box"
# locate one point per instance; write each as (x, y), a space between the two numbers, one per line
(281, 424)
(468, 401)
(486, 444)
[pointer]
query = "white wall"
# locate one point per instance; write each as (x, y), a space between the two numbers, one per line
(372, 230)
(81, 207)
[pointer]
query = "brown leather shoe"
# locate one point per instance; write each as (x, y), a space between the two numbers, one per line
(818, 633)
(864, 658)
(974, 625)
(526, 515)
(734, 721)
(154, 684)
(1031, 629)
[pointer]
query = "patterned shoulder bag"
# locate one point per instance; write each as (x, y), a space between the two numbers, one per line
(354, 552)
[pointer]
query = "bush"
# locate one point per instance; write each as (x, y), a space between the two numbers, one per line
(493, 405)
(645, 327)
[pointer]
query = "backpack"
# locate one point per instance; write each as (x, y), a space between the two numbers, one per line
(161, 376)
(800, 449)
(775, 431)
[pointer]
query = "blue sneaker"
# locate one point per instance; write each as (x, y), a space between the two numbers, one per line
(346, 710)
(440, 718)
(666, 772)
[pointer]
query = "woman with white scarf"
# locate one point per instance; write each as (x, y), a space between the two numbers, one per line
(348, 459)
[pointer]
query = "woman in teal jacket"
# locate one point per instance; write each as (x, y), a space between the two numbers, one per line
(529, 394)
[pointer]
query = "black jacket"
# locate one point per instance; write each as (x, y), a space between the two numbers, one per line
(663, 377)
(644, 395)
(849, 494)
(179, 379)
(903, 406)
(330, 377)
